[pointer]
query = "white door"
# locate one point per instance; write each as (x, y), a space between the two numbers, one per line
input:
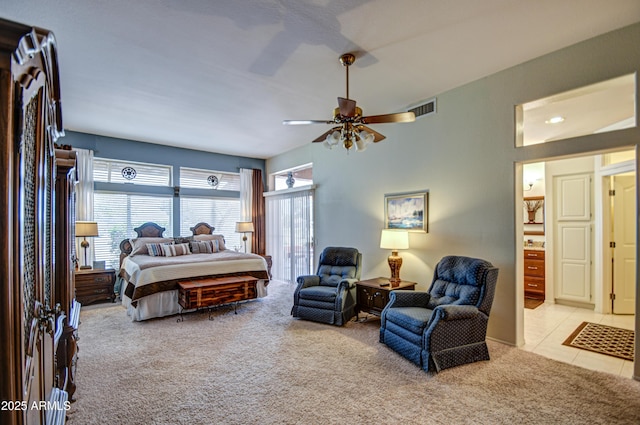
(624, 251)
(572, 274)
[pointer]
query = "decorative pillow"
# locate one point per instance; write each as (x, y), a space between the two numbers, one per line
(176, 249)
(139, 245)
(182, 239)
(204, 247)
(219, 238)
(155, 249)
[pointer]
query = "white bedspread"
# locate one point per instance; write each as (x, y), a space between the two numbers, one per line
(186, 266)
(141, 273)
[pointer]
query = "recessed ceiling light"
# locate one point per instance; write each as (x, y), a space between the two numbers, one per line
(554, 120)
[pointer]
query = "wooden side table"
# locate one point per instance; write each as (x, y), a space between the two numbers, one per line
(95, 285)
(372, 295)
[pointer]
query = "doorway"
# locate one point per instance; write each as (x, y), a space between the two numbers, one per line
(613, 220)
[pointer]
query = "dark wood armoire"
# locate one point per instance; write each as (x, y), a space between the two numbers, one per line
(37, 332)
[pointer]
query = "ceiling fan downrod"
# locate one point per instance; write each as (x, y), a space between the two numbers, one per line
(346, 60)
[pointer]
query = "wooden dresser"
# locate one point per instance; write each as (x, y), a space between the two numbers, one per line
(95, 285)
(534, 274)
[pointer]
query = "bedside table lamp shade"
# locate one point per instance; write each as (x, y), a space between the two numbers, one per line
(85, 229)
(394, 240)
(244, 227)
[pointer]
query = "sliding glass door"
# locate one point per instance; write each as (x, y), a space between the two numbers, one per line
(290, 233)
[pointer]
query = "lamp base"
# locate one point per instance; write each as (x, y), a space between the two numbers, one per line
(395, 262)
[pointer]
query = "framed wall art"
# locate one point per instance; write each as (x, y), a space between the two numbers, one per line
(407, 211)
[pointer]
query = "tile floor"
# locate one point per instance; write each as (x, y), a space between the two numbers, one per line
(546, 328)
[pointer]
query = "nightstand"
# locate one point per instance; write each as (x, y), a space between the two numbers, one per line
(373, 294)
(95, 285)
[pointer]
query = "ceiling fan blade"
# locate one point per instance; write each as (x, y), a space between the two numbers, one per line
(380, 119)
(377, 136)
(303, 122)
(324, 135)
(347, 107)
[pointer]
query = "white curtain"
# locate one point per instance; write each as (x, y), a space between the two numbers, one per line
(246, 195)
(84, 197)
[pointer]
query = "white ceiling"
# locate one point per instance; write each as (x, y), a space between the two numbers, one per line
(221, 76)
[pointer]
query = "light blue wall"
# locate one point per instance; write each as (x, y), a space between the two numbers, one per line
(465, 156)
(114, 148)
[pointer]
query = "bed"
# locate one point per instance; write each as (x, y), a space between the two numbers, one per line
(149, 278)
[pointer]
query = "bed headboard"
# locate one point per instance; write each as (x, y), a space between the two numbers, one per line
(202, 229)
(147, 230)
(152, 230)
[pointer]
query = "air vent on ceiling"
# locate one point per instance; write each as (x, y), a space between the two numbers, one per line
(424, 109)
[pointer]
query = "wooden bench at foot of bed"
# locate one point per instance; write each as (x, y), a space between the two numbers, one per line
(210, 292)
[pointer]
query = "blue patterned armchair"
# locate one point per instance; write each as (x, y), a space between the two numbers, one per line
(329, 296)
(446, 326)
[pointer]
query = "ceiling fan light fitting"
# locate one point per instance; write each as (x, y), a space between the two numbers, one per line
(332, 139)
(367, 137)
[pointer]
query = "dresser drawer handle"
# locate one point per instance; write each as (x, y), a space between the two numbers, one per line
(532, 255)
(100, 291)
(532, 268)
(532, 284)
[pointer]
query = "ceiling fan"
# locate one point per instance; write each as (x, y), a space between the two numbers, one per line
(351, 126)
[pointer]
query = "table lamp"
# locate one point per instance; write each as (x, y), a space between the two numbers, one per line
(244, 227)
(394, 240)
(86, 229)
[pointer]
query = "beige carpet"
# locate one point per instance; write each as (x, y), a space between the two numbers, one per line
(263, 367)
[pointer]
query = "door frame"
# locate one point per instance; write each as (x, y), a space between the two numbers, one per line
(601, 238)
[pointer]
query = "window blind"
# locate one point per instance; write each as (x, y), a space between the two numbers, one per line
(221, 213)
(289, 220)
(118, 214)
(111, 171)
(207, 179)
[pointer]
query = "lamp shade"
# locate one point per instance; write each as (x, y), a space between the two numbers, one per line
(394, 239)
(86, 228)
(244, 226)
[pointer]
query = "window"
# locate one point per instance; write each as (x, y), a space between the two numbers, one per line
(204, 179)
(114, 171)
(302, 176)
(602, 107)
(221, 213)
(118, 214)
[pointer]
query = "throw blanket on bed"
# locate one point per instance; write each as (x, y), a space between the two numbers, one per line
(146, 275)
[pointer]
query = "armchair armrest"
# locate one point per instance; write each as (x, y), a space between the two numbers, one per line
(456, 312)
(347, 284)
(405, 298)
(308, 280)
